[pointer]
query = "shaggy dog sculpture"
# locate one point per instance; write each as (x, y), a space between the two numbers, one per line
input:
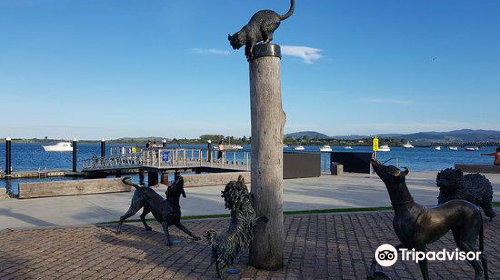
(228, 245)
(166, 211)
(475, 188)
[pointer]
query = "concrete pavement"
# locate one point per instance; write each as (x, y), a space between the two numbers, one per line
(325, 192)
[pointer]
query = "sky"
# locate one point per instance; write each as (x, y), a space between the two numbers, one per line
(127, 68)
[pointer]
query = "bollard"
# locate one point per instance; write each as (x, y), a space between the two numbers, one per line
(75, 147)
(268, 120)
(164, 178)
(141, 177)
(103, 148)
(8, 155)
(152, 178)
(209, 152)
(164, 143)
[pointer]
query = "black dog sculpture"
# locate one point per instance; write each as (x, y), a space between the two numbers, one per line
(260, 29)
(166, 211)
(416, 225)
(475, 188)
(228, 245)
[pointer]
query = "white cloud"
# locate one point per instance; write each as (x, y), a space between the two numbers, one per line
(307, 54)
(382, 100)
(210, 51)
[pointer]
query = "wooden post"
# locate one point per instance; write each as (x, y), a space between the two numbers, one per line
(103, 148)
(75, 148)
(268, 120)
(8, 155)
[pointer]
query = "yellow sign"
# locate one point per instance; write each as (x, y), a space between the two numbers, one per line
(375, 144)
(134, 150)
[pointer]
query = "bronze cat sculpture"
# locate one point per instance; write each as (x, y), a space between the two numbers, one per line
(166, 211)
(416, 225)
(260, 29)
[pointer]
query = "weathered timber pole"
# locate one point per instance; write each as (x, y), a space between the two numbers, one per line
(268, 120)
(164, 143)
(103, 148)
(75, 147)
(8, 155)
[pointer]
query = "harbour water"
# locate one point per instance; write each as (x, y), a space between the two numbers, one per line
(32, 157)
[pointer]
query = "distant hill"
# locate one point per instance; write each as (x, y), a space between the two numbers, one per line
(308, 134)
(457, 136)
(463, 135)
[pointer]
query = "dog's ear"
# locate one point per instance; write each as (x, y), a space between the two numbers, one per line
(241, 179)
(405, 172)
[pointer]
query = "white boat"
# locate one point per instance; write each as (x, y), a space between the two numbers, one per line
(438, 148)
(384, 148)
(59, 147)
(453, 148)
(473, 149)
(408, 146)
(299, 148)
(230, 148)
(348, 147)
(326, 148)
(285, 146)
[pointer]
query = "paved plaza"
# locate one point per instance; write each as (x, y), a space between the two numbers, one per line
(330, 246)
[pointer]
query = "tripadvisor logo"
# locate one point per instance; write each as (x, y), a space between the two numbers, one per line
(386, 255)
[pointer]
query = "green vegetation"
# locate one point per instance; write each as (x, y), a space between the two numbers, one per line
(303, 212)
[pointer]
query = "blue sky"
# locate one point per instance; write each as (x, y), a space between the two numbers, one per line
(92, 69)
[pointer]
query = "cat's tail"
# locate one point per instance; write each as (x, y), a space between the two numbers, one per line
(290, 12)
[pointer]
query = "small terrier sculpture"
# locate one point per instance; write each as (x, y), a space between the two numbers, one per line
(260, 29)
(416, 225)
(475, 188)
(166, 211)
(228, 245)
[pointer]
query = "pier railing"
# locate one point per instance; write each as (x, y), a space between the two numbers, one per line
(169, 158)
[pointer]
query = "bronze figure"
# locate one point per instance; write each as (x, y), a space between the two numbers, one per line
(475, 188)
(416, 225)
(228, 245)
(166, 211)
(260, 29)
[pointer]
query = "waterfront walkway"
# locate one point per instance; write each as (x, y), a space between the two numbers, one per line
(330, 246)
(325, 192)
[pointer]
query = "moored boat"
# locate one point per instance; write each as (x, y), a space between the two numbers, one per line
(299, 148)
(438, 148)
(326, 148)
(59, 147)
(384, 148)
(408, 146)
(348, 147)
(453, 148)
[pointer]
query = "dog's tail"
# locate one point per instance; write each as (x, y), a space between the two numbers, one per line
(128, 181)
(290, 12)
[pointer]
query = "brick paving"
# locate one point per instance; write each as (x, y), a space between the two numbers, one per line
(331, 246)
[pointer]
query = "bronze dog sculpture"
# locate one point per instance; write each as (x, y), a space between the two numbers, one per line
(228, 245)
(475, 188)
(260, 29)
(416, 225)
(166, 211)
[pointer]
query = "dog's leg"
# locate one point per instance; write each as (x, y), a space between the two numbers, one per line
(423, 263)
(135, 206)
(167, 235)
(478, 268)
(145, 211)
(187, 231)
